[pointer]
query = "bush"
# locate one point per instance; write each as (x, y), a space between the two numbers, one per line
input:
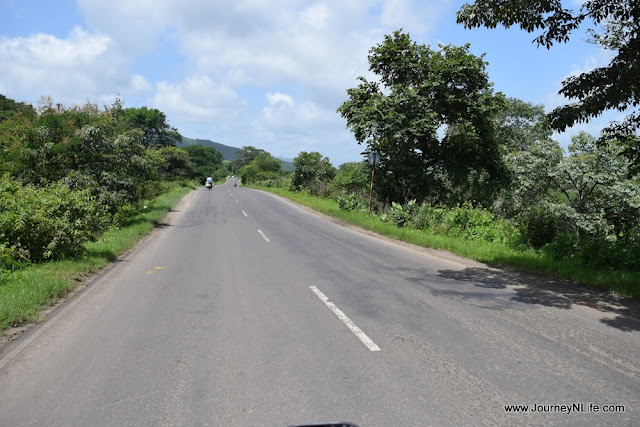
(562, 247)
(539, 226)
(478, 223)
(319, 188)
(464, 221)
(401, 215)
(350, 202)
(48, 222)
(428, 217)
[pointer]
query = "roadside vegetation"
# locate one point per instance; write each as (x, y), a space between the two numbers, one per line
(474, 172)
(79, 186)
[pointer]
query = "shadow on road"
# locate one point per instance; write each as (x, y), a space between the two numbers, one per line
(550, 292)
(162, 225)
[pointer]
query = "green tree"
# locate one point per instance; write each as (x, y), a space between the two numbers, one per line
(421, 92)
(311, 171)
(47, 222)
(175, 163)
(614, 25)
(353, 178)
(206, 161)
(262, 167)
(153, 123)
(50, 146)
(589, 191)
(113, 168)
(265, 162)
(520, 124)
(245, 155)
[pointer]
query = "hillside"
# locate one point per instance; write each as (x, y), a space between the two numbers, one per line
(229, 153)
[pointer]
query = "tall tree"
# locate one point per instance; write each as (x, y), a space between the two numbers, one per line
(422, 93)
(353, 177)
(520, 124)
(245, 155)
(589, 191)
(262, 167)
(311, 170)
(206, 161)
(614, 25)
(157, 131)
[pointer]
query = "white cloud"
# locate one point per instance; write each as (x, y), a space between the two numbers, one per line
(133, 24)
(275, 98)
(315, 16)
(81, 66)
(197, 99)
(140, 84)
(290, 127)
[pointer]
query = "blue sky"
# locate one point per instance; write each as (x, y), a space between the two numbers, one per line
(267, 73)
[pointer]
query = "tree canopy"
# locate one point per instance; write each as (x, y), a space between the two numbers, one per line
(245, 155)
(157, 132)
(590, 191)
(311, 171)
(262, 166)
(431, 117)
(206, 161)
(520, 124)
(614, 25)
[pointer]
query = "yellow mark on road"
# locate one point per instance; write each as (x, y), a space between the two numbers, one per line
(160, 268)
(149, 272)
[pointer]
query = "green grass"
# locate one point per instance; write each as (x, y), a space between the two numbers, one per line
(26, 293)
(616, 282)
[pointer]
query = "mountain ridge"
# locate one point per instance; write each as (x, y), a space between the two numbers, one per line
(228, 152)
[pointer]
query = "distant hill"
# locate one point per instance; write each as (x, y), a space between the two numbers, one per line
(287, 164)
(229, 153)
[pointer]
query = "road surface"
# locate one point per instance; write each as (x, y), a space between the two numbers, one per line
(245, 309)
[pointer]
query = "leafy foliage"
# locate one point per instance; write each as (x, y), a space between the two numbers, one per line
(350, 202)
(157, 133)
(9, 107)
(615, 25)
(421, 92)
(205, 161)
(263, 167)
(174, 162)
(66, 171)
(352, 178)
(47, 222)
(520, 124)
(312, 171)
(245, 156)
(462, 221)
(590, 192)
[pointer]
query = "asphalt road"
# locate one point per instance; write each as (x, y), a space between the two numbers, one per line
(244, 309)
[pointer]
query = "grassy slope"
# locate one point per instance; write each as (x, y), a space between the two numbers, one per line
(27, 292)
(617, 282)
